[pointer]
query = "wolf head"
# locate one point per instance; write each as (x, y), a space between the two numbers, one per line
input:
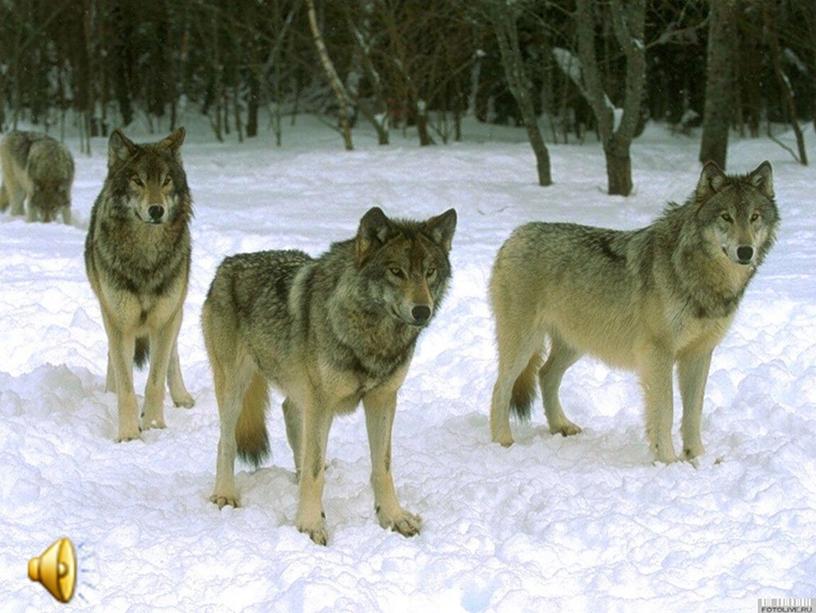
(51, 171)
(404, 264)
(737, 213)
(147, 181)
(49, 198)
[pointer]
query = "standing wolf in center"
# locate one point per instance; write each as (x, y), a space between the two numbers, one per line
(328, 332)
(642, 300)
(137, 256)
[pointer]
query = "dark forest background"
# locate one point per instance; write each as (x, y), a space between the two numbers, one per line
(556, 67)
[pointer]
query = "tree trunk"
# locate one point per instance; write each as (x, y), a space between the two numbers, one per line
(361, 35)
(252, 105)
(628, 25)
(506, 30)
(618, 171)
(783, 82)
(721, 58)
(334, 79)
(425, 138)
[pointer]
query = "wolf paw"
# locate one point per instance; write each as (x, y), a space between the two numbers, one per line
(184, 400)
(665, 458)
(567, 428)
(505, 440)
(224, 501)
(316, 531)
(130, 432)
(154, 423)
(407, 524)
(693, 451)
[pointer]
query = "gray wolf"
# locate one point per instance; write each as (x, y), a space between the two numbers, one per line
(37, 170)
(642, 300)
(137, 256)
(328, 332)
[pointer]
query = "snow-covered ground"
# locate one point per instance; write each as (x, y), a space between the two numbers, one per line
(585, 523)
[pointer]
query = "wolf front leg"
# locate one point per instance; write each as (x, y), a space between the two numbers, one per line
(311, 519)
(162, 341)
(120, 355)
(380, 407)
(692, 370)
(656, 378)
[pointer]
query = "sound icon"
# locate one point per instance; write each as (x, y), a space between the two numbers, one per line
(56, 569)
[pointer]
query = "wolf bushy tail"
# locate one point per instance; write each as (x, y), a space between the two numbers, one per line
(250, 432)
(524, 389)
(142, 351)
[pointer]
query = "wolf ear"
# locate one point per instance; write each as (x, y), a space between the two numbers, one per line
(120, 147)
(441, 228)
(762, 178)
(712, 180)
(174, 141)
(375, 229)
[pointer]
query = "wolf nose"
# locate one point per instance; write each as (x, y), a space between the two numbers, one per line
(745, 253)
(156, 212)
(421, 313)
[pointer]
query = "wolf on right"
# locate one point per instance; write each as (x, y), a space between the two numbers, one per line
(642, 300)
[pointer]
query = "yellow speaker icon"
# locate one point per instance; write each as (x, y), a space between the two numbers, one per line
(56, 569)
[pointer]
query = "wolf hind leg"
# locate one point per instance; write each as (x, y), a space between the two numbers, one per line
(110, 377)
(232, 373)
(4, 197)
(231, 384)
(517, 349)
(12, 194)
(294, 430)
(561, 357)
(692, 371)
(178, 391)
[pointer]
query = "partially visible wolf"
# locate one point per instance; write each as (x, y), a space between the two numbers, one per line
(137, 255)
(38, 170)
(641, 300)
(328, 332)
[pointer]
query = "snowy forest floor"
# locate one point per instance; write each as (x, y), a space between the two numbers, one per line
(583, 523)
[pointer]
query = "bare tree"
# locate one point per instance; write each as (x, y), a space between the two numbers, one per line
(785, 89)
(375, 110)
(504, 18)
(616, 136)
(336, 83)
(722, 45)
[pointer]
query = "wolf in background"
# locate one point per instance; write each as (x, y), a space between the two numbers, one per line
(37, 170)
(137, 256)
(641, 300)
(328, 332)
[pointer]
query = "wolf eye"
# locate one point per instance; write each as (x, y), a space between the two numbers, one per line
(727, 217)
(430, 272)
(397, 272)
(167, 181)
(135, 179)
(755, 216)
